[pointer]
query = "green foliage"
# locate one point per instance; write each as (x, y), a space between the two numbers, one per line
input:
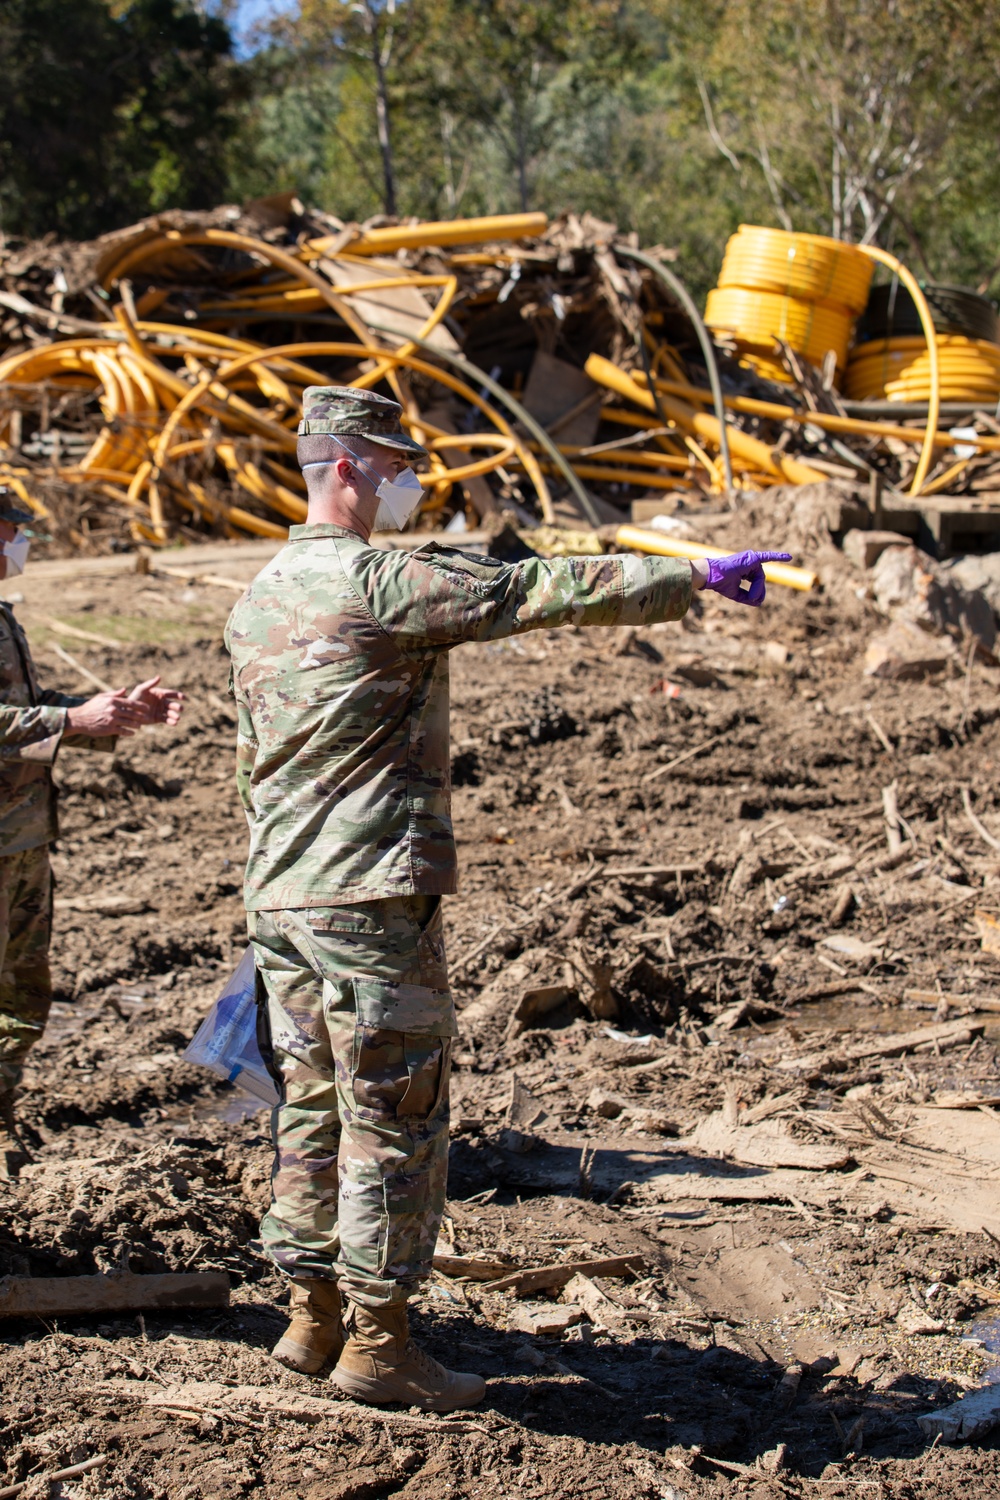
(107, 113)
(679, 119)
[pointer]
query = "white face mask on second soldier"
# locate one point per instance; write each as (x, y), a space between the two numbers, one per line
(16, 553)
(398, 497)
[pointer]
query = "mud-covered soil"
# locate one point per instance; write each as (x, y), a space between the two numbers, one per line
(767, 1344)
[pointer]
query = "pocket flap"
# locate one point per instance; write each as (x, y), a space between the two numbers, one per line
(405, 1007)
(362, 918)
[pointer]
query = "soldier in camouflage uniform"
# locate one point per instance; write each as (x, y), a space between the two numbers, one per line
(34, 725)
(340, 673)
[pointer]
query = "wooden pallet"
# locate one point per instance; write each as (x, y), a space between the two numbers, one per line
(944, 524)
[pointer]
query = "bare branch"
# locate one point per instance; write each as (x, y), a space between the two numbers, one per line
(713, 129)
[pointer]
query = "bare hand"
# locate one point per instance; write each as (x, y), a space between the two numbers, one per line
(106, 714)
(162, 705)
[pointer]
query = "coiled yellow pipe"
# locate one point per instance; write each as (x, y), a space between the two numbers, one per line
(756, 319)
(812, 267)
(898, 369)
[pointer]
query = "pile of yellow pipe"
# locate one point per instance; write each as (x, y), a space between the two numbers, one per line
(802, 289)
(186, 405)
(748, 453)
(898, 369)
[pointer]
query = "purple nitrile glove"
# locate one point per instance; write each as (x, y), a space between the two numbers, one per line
(727, 574)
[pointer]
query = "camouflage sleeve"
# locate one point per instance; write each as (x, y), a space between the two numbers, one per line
(439, 597)
(33, 733)
(246, 743)
(104, 743)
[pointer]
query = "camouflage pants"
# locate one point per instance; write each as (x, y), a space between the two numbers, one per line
(360, 1021)
(25, 982)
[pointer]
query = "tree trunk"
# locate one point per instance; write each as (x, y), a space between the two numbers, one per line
(379, 59)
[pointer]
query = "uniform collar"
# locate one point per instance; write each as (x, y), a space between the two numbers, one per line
(322, 528)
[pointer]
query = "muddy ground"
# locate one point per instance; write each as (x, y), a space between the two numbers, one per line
(766, 1345)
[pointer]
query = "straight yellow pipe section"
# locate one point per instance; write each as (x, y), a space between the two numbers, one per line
(826, 421)
(442, 232)
(644, 539)
(707, 427)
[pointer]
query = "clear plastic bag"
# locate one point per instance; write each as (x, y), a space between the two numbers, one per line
(226, 1041)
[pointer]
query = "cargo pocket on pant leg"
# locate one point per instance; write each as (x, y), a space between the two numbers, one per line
(402, 1049)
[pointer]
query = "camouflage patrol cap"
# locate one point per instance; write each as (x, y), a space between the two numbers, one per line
(342, 411)
(12, 509)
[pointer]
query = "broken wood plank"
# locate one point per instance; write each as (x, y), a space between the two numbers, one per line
(103, 904)
(217, 580)
(989, 1004)
(947, 1034)
(548, 1278)
(988, 924)
(472, 1267)
(972, 1416)
(225, 1400)
(61, 1296)
(765, 1145)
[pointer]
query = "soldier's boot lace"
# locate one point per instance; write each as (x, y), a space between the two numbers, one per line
(316, 1332)
(382, 1364)
(14, 1154)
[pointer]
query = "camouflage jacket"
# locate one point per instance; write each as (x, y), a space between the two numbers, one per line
(32, 729)
(340, 674)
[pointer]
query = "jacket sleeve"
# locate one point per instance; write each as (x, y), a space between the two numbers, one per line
(33, 733)
(246, 741)
(105, 743)
(434, 597)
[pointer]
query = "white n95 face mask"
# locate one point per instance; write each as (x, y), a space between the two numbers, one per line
(399, 497)
(16, 553)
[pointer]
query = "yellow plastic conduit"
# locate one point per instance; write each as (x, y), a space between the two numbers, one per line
(757, 319)
(661, 545)
(899, 369)
(751, 450)
(934, 370)
(447, 232)
(825, 271)
(193, 395)
(827, 421)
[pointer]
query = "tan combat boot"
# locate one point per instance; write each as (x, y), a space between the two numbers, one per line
(381, 1364)
(316, 1332)
(13, 1153)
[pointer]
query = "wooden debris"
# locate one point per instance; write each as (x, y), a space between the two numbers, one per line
(989, 931)
(103, 905)
(947, 1034)
(552, 1278)
(121, 1291)
(973, 1416)
(59, 628)
(984, 834)
(80, 669)
(765, 1145)
(585, 1293)
(73, 1472)
(945, 1100)
(470, 1267)
(609, 1106)
(987, 1003)
(234, 1401)
(551, 1320)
